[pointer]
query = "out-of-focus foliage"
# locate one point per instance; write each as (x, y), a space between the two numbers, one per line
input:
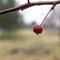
(10, 21)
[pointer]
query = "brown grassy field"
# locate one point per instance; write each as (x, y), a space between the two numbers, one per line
(29, 46)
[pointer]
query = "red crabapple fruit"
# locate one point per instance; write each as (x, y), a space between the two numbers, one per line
(37, 29)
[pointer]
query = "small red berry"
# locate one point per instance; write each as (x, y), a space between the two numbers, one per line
(37, 29)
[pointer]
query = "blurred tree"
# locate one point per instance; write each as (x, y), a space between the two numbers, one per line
(9, 22)
(33, 23)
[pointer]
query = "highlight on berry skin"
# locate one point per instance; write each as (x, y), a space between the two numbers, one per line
(37, 29)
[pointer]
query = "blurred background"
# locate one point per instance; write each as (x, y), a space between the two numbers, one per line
(17, 39)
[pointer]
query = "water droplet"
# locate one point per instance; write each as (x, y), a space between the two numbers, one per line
(38, 34)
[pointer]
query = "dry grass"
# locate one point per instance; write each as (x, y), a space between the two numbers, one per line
(27, 42)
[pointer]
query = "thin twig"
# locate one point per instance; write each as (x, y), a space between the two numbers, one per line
(29, 1)
(27, 5)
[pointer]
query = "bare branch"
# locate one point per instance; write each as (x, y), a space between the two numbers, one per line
(27, 5)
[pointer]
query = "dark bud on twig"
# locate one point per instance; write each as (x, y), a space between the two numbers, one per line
(28, 1)
(53, 6)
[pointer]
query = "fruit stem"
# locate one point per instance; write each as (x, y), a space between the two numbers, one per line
(52, 8)
(45, 18)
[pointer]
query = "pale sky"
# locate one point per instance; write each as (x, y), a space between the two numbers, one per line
(35, 13)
